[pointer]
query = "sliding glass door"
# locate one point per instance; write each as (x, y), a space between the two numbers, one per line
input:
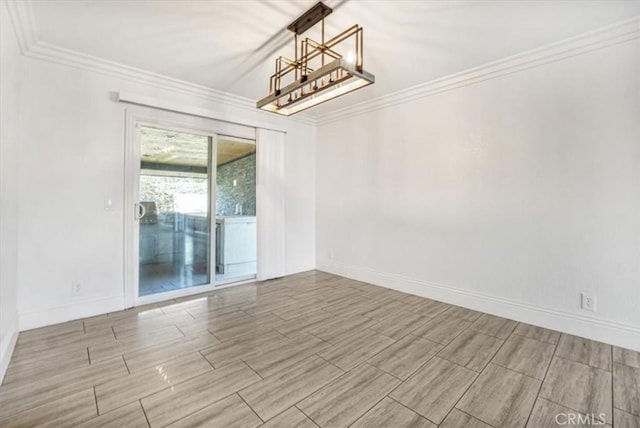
(193, 195)
(174, 213)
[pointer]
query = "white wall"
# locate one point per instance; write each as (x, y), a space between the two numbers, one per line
(10, 85)
(72, 157)
(511, 195)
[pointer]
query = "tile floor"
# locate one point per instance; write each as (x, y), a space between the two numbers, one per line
(310, 350)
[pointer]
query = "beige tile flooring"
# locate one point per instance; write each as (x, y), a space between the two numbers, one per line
(308, 350)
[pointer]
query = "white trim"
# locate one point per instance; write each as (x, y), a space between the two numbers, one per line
(270, 203)
(238, 282)
(145, 100)
(130, 253)
(619, 334)
(194, 292)
(158, 103)
(606, 36)
(213, 207)
(83, 308)
(23, 21)
(174, 294)
(21, 14)
(7, 350)
(58, 55)
(235, 281)
(184, 122)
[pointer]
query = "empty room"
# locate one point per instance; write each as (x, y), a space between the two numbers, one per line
(346, 213)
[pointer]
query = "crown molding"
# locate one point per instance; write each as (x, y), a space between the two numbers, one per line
(606, 36)
(22, 18)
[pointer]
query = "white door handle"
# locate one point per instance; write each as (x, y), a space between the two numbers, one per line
(139, 211)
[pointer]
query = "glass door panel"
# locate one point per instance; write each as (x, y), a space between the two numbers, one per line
(236, 248)
(173, 211)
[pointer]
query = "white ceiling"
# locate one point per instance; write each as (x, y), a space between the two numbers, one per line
(231, 45)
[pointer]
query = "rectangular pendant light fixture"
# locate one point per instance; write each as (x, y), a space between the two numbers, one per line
(310, 79)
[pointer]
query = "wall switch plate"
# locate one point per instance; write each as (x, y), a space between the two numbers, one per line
(588, 302)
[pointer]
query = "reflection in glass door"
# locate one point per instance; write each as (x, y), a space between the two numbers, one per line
(173, 211)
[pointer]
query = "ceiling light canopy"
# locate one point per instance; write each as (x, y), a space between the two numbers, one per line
(320, 73)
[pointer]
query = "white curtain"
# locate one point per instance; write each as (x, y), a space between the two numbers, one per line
(270, 203)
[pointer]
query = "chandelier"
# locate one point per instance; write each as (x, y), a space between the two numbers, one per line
(320, 73)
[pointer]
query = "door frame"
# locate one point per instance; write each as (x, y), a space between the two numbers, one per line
(136, 117)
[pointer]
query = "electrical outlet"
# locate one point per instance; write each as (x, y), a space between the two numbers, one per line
(588, 302)
(76, 290)
(331, 254)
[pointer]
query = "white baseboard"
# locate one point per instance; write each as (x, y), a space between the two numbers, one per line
(294, 268)
(6, 349)
(81, 309)
(614, 333)
(91, 307)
